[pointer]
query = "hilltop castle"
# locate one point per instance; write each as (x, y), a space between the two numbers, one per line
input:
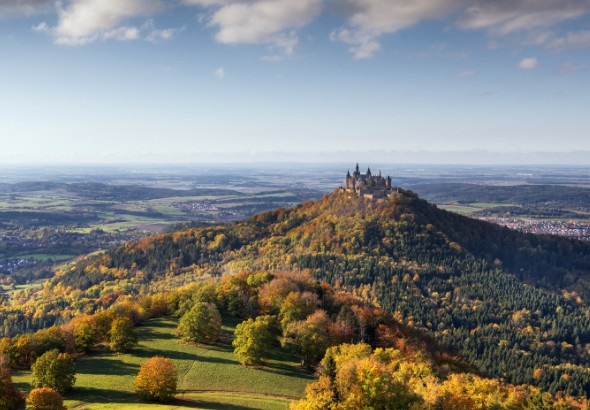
(368, 185)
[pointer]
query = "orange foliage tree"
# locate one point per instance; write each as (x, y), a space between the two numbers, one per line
(45, 398)
(156, 380)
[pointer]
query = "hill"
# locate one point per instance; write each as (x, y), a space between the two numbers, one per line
(543, 201)
(514, 304)
(209, 376)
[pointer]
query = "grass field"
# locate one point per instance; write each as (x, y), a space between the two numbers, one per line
(209, 377)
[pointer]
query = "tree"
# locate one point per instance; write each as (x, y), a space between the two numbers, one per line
(10, 398)
(85, 333)
(297, 306)
(201, 324)
(310, 338)
(123, 337)
(156, 380)
(253, 339)
(55, 370)
(45, 399)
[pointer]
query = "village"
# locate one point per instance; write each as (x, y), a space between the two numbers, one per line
(571, 229)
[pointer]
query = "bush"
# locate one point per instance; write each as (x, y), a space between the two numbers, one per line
(156, 380)
(55, 370)
(45, 399)
(201, 324)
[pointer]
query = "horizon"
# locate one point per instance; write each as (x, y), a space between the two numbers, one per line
(470, 158)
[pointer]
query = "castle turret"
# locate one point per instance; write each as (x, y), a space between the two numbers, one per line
(369, 172)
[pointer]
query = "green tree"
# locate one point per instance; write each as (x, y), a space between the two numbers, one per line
(309, 338)
(45, 399)
(85, 333)
(254, 338)
(55, 370)
(123, 337)
(156, 380)
(201, 324)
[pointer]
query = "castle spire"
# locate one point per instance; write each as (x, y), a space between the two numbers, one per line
(357, 167)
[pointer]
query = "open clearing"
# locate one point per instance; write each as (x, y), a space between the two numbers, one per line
(209, 377)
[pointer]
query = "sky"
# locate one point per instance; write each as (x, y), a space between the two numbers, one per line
(182, 81)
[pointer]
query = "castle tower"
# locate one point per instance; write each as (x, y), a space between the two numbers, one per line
(349, 181)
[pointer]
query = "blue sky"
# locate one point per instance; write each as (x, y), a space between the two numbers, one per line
(109, 81)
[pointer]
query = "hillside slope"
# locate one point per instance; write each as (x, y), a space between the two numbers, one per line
(512, 303)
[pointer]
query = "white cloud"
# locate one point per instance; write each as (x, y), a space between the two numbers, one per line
(26, 7)
(575, 40)
(220, 73)
(122, 34)
(84, 21)
(370, 19)
(502, 17)
(570, 68)
(207, 2)
(528, 63)
(269, 22)
(535, 20)
(465, 74)
(160, 36)
(41, 27)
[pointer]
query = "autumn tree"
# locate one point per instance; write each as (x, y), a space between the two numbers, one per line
(309, 338)
(297, 306)
(55, 370)
(10, 398)
(45, 398)
(201, 324)
(254, 338)
(156, 380)
(123, 337)
(85, 333)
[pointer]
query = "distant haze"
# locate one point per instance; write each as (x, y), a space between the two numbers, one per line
(476, 157)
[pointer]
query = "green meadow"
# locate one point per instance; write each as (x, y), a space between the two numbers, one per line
(209, 377)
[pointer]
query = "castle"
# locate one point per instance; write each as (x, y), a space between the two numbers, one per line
(368, 185)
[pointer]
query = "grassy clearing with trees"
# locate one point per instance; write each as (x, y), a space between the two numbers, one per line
(208, 376)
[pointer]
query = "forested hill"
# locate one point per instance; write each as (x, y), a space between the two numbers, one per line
(514, 304)
(560, 197)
